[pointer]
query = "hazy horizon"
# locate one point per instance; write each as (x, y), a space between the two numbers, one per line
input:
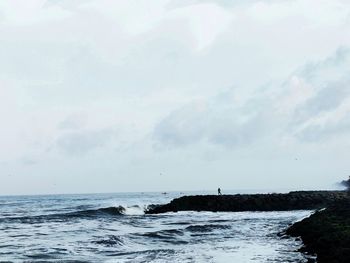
(213, 191)
(144, 96)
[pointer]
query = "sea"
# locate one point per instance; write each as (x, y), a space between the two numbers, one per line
(114, 228)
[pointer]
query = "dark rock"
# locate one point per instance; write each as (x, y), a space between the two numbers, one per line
(299, 200)
(326, 233)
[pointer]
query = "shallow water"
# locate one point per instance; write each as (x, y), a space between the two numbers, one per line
(113, 228)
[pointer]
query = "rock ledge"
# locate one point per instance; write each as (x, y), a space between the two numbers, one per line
(298, 200)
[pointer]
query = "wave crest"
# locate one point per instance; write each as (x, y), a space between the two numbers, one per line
(106, 211)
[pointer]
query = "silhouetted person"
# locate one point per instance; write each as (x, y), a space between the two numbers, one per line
(219, 191)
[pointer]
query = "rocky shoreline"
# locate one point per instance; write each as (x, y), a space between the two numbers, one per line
(298, 200)
(326, 233)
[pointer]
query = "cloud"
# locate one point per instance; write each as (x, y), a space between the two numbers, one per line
(103, 80)
(325, 100)
(83, 142)
(181, 127)
(30, 12)
(327, 13)
(206, 21)
(220, 120)
(324, 113)
(73, 122)
(306, 108)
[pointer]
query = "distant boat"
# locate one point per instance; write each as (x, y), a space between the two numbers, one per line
(164, 193)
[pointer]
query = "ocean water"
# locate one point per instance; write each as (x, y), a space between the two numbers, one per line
(113, 228)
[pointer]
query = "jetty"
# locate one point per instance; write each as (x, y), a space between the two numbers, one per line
(297, 200)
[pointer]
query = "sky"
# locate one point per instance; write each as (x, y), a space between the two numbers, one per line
(167, 95)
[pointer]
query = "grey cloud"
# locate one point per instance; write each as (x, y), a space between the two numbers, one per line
(317, 133)
(65, 72)
(231, 134)
(219, 121)
(28, 161)
(326, 99)
(50, 71)
(181, 127)
(331, 81)
(72, 122)
(83, 142)
(335, 62)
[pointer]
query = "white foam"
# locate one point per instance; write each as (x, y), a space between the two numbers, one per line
(134, 210)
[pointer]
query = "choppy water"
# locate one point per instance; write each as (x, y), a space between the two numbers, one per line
(94, 228)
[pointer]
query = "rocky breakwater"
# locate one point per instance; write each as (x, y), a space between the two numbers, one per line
(326, 233)
(298, 200)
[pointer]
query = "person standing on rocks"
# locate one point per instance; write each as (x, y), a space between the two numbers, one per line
(219, 191)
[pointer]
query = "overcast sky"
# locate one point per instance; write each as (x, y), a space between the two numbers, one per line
(109, 96)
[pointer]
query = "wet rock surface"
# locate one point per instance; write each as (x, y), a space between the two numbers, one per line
(298, 200)
(326, 233)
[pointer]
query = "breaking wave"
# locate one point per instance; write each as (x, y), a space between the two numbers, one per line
(100, 212)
